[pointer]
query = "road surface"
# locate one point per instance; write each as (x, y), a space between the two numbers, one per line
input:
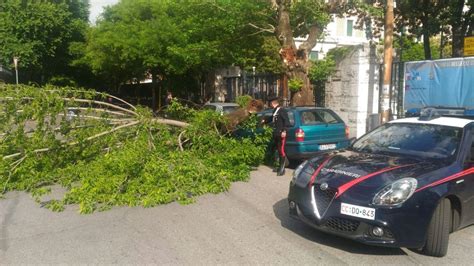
(247, 225)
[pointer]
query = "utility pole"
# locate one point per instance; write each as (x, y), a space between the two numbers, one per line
(387, 61)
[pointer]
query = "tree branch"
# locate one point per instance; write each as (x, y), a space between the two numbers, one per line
(107, 132)
(270, 30)
(314, 32)
(97, 109)
(170, 122)
(75, 143)
(101, 103)
(99, 93)
(180, 142)
(14, 165)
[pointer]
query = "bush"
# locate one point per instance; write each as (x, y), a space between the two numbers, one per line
(243, 100)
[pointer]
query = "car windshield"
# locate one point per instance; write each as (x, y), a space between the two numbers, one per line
(422, 140)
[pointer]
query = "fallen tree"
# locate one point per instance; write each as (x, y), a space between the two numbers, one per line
(106, 152)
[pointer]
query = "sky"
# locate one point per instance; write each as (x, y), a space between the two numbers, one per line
(97, 7)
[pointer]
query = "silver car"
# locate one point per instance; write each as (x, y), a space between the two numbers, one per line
(222, 108)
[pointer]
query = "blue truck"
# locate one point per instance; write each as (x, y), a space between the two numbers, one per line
(439, 83)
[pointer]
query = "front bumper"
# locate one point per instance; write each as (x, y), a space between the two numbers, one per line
(347, 228)
(402, 227)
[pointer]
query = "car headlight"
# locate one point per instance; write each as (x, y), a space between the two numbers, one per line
(302, 174)
(396, 193)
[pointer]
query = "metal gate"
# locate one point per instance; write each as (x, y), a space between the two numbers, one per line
(396, 89)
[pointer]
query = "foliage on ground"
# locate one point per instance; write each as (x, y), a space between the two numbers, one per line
(107, 155)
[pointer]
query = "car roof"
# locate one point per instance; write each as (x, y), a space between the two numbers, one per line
(222, 104)
(442, 121)
(306, 108)
(299, 108)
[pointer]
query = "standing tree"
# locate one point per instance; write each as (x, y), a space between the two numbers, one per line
(40, 34)
(460, 16)
(422, 18)
(169, 39)
(426, 19)
(132, 39)
(305, 19)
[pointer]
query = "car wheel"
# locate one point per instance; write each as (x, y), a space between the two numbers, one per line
(438, 230)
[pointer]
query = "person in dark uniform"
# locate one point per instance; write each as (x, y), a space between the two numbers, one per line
(280, 122)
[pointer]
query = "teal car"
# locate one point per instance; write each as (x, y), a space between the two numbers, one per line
(312, 130)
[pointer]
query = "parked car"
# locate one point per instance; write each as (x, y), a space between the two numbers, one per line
(312, 130)
(222, 108)
(407, 183)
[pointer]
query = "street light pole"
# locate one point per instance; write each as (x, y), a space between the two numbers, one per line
(254, 85)
(15, 63)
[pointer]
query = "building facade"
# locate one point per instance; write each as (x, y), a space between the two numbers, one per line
(354, 90)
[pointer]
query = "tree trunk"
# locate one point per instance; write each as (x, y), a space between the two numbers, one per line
(153, 91)
(458, 28)
(295, 60)
(426, 37)
(305, 95)
(458, 39)
(426, 45)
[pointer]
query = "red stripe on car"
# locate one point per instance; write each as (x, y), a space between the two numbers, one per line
(447, 179)
(346, 186)
(313, 177)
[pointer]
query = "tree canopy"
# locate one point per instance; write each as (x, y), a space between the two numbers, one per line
(176, 37)
(424, 19)
(40, 33)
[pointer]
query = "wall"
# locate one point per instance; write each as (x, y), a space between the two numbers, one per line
(353, 90)
(336, 35)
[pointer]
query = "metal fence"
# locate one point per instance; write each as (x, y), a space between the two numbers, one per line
(259, 86)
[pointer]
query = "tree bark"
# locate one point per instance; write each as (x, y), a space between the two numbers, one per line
(458, 28)
(153, 91)
(295, 60)
(426, 45)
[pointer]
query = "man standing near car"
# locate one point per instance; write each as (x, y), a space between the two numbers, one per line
(280, 123)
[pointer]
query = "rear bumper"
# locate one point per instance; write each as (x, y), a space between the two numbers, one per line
(304, 150)
(300, 156)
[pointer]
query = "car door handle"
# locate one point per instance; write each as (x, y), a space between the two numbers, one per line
(460, 181)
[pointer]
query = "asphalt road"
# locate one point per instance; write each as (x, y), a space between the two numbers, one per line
(247, 225)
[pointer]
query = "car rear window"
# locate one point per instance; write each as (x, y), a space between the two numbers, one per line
(209, 107)
(267, 114)
(314, 117)
(229, 109)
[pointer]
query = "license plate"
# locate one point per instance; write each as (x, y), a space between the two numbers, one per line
(358, 211)
(324, 147)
